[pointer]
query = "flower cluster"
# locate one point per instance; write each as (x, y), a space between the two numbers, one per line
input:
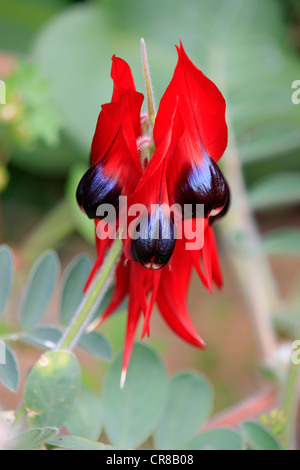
(158, 163)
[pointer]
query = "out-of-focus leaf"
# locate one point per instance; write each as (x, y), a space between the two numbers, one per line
(84, 225)
(97, 345)
(20, 19)
(230, 42)
(30, 440)
(34, 119)
(190, 404)
(6, 275)
(282, 242)
(132, 413)
(216, 439)
(9, 369)
(74, 281)
(39, 290)
(269, 142)
(86, 416)
(48, 161)
(258, 438)
(51, 388)
(75, 443)
(276, 190)
(46, 337)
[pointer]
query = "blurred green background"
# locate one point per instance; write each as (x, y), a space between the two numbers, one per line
(55, 58)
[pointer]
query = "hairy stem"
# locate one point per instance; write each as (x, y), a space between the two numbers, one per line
(92, 298)
(148, 84)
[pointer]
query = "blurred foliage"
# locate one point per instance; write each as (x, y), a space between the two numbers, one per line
(25, 17)
(28, 115)
(249, 58)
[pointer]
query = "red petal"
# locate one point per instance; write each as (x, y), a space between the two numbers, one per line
(201, 105)
(171, 298)
(118, 127)
(207, 258)
(120, 291)
(210, 258)
(156, 285)
(101, 246)
(122, 77)
(217, 273)
(202, 109)
(134, 311)
(152, 186)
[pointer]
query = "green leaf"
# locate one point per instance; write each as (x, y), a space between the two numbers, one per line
(277, 190)
(99, 38)
(216, 439)
(76, 443)
(258, 438)
(86, 415)
(51, 388)
(48, 161)
(30, 440)
(190, 404)
(45, 337)
(84, 226)
(9, 371)
(6, 275)
(20, 19)
(282, 242)
(39, 290)
(74, 281)
(270, 141)
(132, 413)
(97, 345)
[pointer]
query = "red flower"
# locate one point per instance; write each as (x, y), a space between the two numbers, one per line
(189, 137)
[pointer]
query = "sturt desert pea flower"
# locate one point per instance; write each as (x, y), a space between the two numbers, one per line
(173, 161)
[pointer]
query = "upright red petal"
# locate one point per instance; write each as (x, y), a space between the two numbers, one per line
(122, 77)
(201, 105)
(193, 176)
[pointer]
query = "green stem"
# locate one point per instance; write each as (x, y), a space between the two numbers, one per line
(289, 405)
(92, 298)
(149, 89)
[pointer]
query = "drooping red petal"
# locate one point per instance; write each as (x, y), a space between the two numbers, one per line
(210, 259)
(171, 298)
(156, 276)
(217, 273)
(101, 246)
(121, 289)
(134, 312)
